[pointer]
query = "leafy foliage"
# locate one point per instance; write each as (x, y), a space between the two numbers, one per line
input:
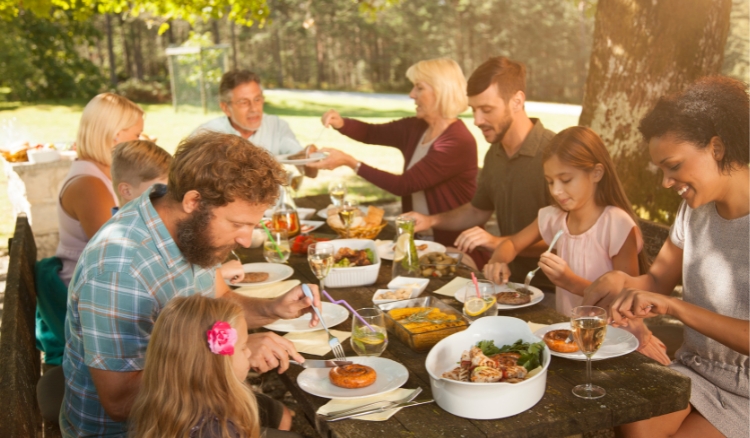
(40, 58)
(531, 354)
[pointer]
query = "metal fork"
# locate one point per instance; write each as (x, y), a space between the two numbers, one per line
(336, 347)
(531, 274)
(408, 398)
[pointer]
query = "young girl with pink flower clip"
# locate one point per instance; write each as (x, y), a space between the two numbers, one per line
(193, 381)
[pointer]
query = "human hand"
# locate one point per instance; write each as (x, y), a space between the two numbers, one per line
(335, 159)
(604, 290)
(476, 237)
(269, 350)
(496, 272)
(421, 222)
(633, 303)
(555, 268)
(232, 271)
(294, 304)
(332, 118)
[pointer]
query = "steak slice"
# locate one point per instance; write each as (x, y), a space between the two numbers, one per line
(255, 277)
(513, 298)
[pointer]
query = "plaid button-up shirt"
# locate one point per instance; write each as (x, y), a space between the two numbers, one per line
(128, 272)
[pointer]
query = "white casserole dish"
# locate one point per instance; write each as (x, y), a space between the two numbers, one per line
(358, 275)
(484, 401)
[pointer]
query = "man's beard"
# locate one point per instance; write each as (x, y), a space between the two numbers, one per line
(502, 128)
(194, 240)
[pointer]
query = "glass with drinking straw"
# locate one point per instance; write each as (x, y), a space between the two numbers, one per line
(369, 336)
(320, 258)
(589, 326)
(346, 214)
(276, 247)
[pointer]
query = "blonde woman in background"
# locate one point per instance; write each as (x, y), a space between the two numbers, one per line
(86, 198)
(440, 154)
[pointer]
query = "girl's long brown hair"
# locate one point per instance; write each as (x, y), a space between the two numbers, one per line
(582, 148)
(183, 382)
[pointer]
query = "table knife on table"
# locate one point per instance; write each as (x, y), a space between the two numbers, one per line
(311, 363)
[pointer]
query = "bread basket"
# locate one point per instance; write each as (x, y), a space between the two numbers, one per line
(363, 232)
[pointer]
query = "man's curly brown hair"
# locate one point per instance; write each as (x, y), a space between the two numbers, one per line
(224, 168)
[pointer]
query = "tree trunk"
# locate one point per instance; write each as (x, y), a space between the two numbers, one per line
(319, 57)
(135, 28)
(215, 31)
(642, 50)
(126, 53)
(277, 56)
(234, 44)
(111, 53)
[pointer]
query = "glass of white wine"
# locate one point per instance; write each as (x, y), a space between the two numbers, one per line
(589, 325)
(365, 341)
(320, 258)
(337, 191)
(277, 250)
(346, 214)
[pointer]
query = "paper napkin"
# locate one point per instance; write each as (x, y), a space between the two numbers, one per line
(337, 405)
(315, 343)
(450, 289)
(534, 326)
(268, 290)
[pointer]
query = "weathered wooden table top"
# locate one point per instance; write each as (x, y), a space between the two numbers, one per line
(637, 387)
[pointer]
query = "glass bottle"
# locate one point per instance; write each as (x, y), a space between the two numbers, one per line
(405, 260)
(285, 213)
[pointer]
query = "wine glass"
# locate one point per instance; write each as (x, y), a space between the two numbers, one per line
(589, 324)
(276, 249)
(366, 342)
(337, 191)
(320, 258)
(485, 304)
(346, 214)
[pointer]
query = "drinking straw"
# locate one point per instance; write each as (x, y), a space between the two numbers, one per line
(275, 245)
(476, 284)
(350, 309)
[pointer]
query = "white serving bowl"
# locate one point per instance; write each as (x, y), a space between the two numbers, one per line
(484, 401)
(42, 155)
(357, 275)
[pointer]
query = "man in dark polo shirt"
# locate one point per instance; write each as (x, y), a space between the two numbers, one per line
(512, 180)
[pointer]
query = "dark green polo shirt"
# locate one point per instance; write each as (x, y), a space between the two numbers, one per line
(514, 187)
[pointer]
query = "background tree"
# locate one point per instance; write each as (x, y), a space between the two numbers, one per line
(642, 50)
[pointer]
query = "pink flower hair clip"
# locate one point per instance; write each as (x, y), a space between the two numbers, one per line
(221, 338)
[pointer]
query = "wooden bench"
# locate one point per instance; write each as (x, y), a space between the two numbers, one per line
(20, 361)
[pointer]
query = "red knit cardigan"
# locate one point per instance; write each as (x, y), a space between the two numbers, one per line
(447, 174)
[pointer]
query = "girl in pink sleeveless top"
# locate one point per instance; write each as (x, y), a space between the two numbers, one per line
(87, 196)
(600, 231)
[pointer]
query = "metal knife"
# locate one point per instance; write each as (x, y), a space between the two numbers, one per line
(310, 363)
(378, 410)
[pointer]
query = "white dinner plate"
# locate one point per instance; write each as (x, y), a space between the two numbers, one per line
(310, 226)
(276, 273)
(333, 314)
(385, 248)
(315, 156)
(390, 375)
(303, 213)
(536, 295)
(617, 342)
(324, 212)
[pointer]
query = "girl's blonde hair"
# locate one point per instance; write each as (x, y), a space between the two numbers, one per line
(103, 117)
(582, 148)
(444, 75)
(184, 382)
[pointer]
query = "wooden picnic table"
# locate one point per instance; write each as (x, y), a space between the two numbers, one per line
(637, 387)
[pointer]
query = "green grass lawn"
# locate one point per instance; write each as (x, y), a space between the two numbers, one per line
(58, 122)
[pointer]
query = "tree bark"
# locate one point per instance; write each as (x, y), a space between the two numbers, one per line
(126, 53)
(135, 28)
(644, 49)
(233, 36)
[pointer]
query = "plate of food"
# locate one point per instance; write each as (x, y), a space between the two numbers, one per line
(510, 296)
(300, 158)
(617, 342)
(366, 377)
(333, 314)
(387, 248)
(257, 274)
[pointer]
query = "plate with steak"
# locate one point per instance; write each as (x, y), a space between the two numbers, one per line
(257, 274)
(512, 296)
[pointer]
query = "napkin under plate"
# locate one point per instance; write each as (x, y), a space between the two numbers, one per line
(337, 405)
(316, 342)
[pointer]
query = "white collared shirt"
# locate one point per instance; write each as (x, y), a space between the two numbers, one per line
(274, 134)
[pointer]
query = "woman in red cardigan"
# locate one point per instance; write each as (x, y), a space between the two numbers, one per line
(440, 154)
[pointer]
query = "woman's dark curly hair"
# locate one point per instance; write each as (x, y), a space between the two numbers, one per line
(714, 106)
(224, 168)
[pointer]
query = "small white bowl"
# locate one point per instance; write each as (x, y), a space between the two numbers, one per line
(400, 282)
(42, 155)
(414, 294)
